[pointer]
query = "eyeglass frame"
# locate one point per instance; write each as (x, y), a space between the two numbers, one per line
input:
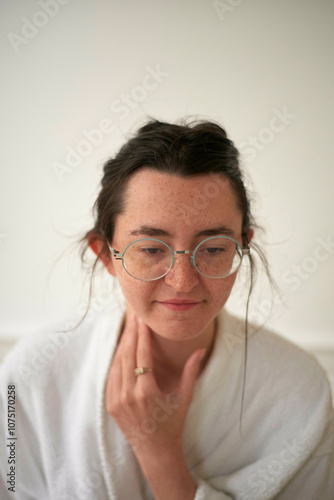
(120, 256)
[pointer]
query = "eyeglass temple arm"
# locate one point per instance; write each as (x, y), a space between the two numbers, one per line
(116, 253)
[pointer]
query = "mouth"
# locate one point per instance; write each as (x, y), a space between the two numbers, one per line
(179, 304)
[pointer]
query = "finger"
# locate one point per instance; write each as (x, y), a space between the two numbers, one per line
(189, 375)
(128, 354)
(144, 351)
(114, 380)
(115, 368)
(120, 341)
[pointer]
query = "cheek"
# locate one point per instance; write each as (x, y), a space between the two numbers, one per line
(220, 290)
(136, 292)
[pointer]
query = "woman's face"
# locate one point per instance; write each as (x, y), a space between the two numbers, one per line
(175, 210)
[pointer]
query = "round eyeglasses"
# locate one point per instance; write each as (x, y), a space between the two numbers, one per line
(149, 259)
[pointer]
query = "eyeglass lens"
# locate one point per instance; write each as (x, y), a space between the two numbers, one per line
(149, 259)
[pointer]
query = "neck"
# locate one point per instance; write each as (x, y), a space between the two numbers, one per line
(169, 356)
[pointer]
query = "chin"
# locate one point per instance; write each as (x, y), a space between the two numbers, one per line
(177, 329)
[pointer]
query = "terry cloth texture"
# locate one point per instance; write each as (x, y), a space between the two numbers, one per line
(69, 448)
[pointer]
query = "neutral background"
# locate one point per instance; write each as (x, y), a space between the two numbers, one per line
(263, 69)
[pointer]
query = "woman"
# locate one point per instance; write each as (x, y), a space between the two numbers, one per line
(144, 402)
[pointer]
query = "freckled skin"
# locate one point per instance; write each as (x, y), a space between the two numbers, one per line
(182, 207)
(155, 199)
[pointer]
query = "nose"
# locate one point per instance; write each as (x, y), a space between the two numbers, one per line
(183, 277)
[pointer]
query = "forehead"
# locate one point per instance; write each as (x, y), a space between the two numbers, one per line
(171, 201)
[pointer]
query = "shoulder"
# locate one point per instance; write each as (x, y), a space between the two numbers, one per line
(271, 351)
(59, 351)
(287, 394)
(280, 370)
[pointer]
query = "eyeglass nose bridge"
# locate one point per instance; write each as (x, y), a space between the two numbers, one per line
(183, 252)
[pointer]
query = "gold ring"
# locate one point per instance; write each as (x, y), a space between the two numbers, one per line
(141, 370)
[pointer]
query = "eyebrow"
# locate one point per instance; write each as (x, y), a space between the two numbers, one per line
(154, 231)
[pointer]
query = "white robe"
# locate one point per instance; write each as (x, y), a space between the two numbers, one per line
(69, 448)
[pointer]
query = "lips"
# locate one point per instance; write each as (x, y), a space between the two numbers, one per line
(179, 304)
(180, 301)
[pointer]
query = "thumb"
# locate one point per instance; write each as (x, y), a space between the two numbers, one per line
(189, 374)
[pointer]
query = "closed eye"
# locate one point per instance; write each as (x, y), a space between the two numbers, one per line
(152, 250)
(213, 250)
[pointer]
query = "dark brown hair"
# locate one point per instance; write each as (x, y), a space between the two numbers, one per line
(187, 149)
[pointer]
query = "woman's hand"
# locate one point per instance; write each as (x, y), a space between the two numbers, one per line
(150, 419)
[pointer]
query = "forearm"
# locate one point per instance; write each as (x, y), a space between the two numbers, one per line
(168, 474)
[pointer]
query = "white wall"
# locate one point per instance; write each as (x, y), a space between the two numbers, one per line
(240, 62)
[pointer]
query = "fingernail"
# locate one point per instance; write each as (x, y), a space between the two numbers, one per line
(133, 318)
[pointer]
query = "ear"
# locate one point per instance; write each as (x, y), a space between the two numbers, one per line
(98, 247)
(250, 234)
